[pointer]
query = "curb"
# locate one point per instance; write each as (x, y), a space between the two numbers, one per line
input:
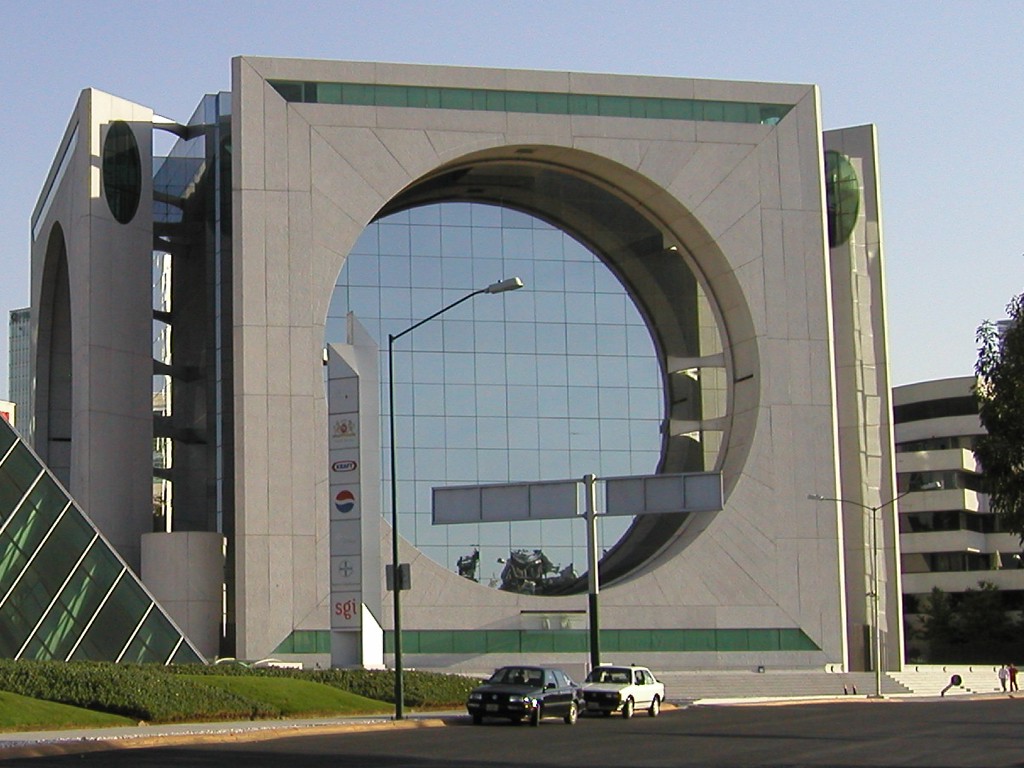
(53, 743)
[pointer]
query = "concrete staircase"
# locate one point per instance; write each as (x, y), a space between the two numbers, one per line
(693, 686)
(932, 679)
(919, 680)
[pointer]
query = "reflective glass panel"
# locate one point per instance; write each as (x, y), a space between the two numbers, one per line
(115, 623)
(17, 473)
(185, 655)
(75, 605)
(154, 642)
(504, 387)
(7, 437)
(27, 528)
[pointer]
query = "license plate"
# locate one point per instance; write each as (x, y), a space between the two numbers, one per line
(491, 707)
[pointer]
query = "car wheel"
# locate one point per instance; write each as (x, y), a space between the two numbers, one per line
(606, 712)
(477, 719)
(655, 708)
(572, 714)
(535, 717)
(627, 708)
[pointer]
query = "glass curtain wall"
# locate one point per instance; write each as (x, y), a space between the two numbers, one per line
(554, 381)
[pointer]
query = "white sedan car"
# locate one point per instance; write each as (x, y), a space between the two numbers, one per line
(612, 688)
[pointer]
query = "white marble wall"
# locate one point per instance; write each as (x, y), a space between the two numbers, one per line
(745, 200)
(111, 361)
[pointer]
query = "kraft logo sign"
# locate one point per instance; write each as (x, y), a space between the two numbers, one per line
(348, 465)
(345, 502)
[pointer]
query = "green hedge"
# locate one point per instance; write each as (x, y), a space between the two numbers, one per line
(161, 694)
(422, 689)
(140, 692)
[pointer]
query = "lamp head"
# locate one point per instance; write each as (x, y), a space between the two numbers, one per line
(508, 284)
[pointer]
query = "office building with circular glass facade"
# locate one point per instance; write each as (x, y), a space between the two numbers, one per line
(325, 235)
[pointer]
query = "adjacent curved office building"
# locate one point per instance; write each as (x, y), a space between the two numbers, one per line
(703, 293)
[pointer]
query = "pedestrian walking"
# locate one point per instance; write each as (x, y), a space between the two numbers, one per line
(1013, 676)
(1004, 675)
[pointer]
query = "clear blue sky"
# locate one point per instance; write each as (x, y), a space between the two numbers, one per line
(943, 82)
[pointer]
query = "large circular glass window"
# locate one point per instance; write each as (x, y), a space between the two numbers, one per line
(554, 381)
(122, 171)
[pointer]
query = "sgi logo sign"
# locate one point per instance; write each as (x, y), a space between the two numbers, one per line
(348, 465)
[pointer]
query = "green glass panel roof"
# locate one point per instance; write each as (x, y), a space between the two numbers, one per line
(64, 592)
(531, 102)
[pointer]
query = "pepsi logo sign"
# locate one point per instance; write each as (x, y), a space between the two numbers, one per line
(348, 465)
(345, 502)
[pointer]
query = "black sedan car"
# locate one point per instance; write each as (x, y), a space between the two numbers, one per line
(526, 693)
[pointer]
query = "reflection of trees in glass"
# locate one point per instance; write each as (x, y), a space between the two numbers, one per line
(467, 565)
(532, 573)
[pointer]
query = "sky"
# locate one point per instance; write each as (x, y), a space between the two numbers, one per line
(942, 81)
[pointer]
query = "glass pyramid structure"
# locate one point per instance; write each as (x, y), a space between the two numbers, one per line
(65, 594)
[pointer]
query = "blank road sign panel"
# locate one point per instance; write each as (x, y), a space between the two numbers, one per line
(501, 503)
(456, 505)
(505, 502)
(703, 491)
(663, 494)
(555, 500)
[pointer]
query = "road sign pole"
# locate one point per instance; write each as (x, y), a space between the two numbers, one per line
(593, 582)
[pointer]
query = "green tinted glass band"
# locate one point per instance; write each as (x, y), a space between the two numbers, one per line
(571, 641)
(529, 102)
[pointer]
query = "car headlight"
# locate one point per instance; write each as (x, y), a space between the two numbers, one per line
(475, 696)
(517, 699)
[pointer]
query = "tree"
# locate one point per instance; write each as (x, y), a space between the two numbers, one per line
(999, 391)
(985, 626)
(938, 621)
(970, 627)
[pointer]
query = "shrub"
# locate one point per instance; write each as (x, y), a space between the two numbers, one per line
(422, 689)
(139, 692)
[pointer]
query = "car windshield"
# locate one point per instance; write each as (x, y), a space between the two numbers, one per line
(609, 675)
(519, 676)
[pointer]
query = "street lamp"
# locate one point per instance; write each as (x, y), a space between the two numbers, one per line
(509, 284)
(875, 575)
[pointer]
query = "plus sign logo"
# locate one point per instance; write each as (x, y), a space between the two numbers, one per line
(346, 568)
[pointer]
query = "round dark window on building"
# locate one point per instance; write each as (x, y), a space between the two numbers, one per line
(842, 197)
(122, 171)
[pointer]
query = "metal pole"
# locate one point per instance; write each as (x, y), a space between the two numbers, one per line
(397, 596)
(876, 578)
(594, 587)
(510, 284)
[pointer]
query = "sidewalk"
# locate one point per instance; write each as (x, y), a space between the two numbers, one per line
(42, 743)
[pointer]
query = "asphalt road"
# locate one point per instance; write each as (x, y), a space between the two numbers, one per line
(947, 733)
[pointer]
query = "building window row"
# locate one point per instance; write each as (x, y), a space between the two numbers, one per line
(950, 520)
(936, 409)
(954, 442)
(948, 479)
(958, 562)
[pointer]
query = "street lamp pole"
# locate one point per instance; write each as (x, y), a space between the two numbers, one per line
(875, 576)
(509, 284)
